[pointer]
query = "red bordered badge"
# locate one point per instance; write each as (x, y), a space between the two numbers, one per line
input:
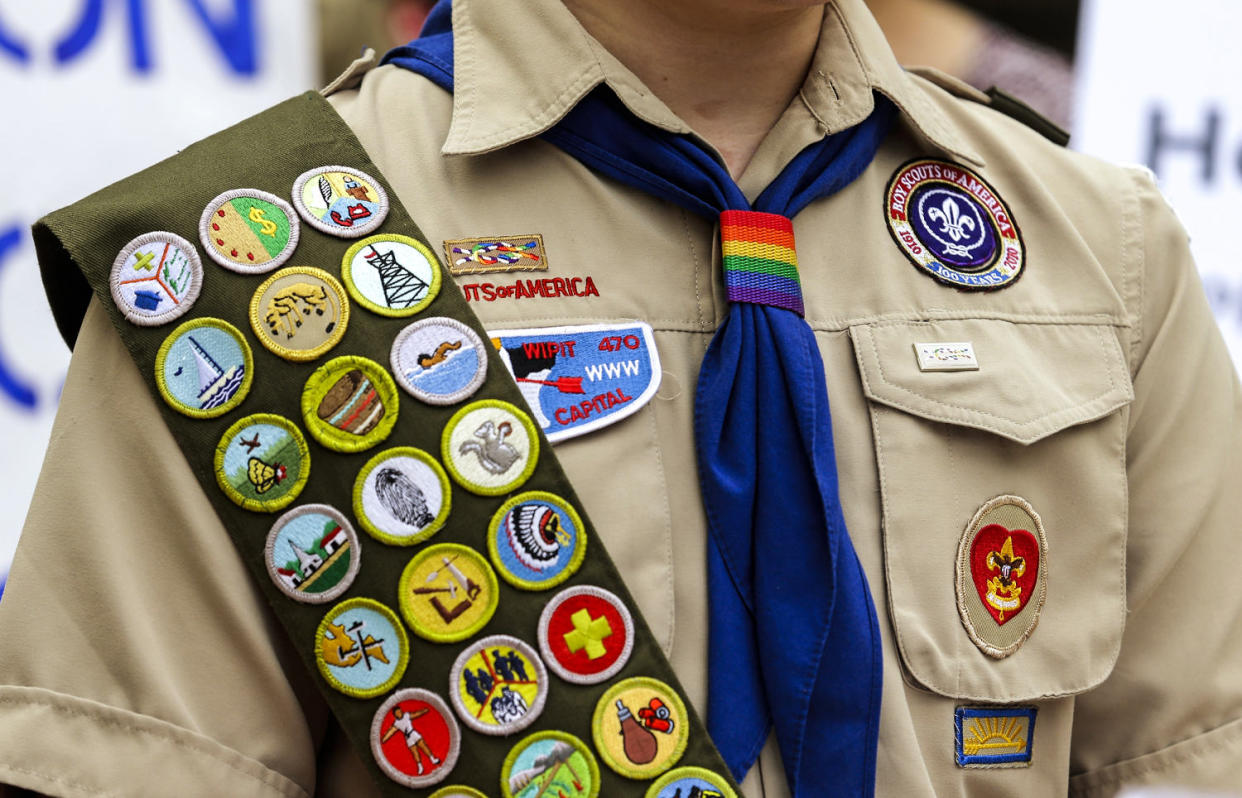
(414, 738)
(954, 226)
(586, 634)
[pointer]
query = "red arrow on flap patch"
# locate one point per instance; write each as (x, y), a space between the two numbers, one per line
(1004, 565)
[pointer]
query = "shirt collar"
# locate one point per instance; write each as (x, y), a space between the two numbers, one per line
(513, 84)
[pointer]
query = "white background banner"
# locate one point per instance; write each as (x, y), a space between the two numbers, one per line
(96, 90)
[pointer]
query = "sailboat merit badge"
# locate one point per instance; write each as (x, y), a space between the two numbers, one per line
(204, 368)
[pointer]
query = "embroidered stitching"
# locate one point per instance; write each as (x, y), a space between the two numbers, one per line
(640, 727)
(536, 540)
(152, 268)
(392, 275)
(579, 632)
(249, 231)
(361, 631)
(402, 496)
(312, 553)
(338, 200)
(405, 713)
(300, 304)
(551, 759)
(349, 404)
(498, 685)
(490, 447)
(254, 466)
(205, 382)
(439, 360)
(448, 592)
(685, 780)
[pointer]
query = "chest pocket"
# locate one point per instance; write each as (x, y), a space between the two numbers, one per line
(1043, 418)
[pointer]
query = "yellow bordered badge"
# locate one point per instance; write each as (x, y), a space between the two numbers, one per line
(391, 274)
(953, 226)
(448, 592)
(249, 231)
(361, 648)
(536, 540)
(457, 791)
(340, 201)
(204, 368)
(156, 278)
(439, 360)
(312, 553)
(414, 738)
(262, 462)
(490, 447)
(299, 313)
(640, 727)
(350, 404)
(548, 764)
(586, 634)
(402, 496)
(498, 685)
(690, 781)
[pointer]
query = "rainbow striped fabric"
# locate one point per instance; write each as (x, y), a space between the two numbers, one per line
(760, 264)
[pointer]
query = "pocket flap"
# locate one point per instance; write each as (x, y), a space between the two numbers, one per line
(1032, 379)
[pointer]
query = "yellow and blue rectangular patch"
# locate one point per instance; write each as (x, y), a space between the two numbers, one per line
(994, 737)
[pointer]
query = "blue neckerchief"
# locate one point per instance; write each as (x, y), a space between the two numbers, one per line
(794, 637)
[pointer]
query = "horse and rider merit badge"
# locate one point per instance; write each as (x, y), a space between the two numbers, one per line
(415, 739)
(550, 764)
(361, 648)
(312, 553)
(536, 540)
(392, 275)
(349, 404)
(204, 368)
(954, 226)
(262, 462)
(249, 231)
(299, 313)
(156, 278)
(448, 592)
(994, 737)
(490, 447)
(690, 782)
(579, 379)
(402, 496)
(640, 727)
(1002, 575)
(498, 685)
(946, 356)
(497, 254)
(439, 360)
(586, 634)
(340, 201)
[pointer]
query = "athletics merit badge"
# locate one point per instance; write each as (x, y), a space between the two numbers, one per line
(579, 379)
(953, 226)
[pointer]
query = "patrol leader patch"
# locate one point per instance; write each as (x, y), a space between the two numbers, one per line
(994, 737)
(954, 226)
(579, 379)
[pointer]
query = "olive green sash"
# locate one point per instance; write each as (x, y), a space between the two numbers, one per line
(269, 152)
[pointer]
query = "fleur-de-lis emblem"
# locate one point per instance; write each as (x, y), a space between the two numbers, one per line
(952, 222)
(1003, 591)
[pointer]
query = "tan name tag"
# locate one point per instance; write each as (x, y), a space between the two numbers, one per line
(496, 254)
(946, 356)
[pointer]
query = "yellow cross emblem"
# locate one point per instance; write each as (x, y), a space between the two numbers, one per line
(588, 633)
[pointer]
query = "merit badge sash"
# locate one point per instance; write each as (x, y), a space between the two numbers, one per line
(387, 482)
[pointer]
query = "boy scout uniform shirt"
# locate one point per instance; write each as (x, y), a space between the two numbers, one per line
(138, 656)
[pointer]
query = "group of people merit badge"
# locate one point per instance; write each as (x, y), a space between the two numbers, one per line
(499, 684)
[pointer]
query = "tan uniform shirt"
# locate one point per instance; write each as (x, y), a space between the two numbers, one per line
(138, 659)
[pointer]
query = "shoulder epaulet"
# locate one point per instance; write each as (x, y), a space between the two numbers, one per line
(999, 100)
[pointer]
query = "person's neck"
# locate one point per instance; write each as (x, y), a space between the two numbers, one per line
(726, 68)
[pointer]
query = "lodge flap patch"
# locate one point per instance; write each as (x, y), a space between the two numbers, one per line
(1002, 575)
(582, 378)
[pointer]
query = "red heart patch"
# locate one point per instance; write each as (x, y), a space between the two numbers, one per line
(1004, 565)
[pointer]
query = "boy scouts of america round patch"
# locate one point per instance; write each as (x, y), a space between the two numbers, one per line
(954, 226)
(640, 727)
(299, 313)
(361, 648)
(402, 496)
(156, 278)
(349, 404)
(586, 634)
(439, 360)
(685, 782)
(448, 592)
(390, 274)
(1002, 575)
(312, 553)
(549, 764)
(340, 201)
(457, 791)
(262, 462)
(536, 540)
(248, 231)
(204, 368)
(490, 447)
(498, 685)
(414, 738)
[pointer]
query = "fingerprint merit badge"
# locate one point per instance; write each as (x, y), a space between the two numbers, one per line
(402, 496)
